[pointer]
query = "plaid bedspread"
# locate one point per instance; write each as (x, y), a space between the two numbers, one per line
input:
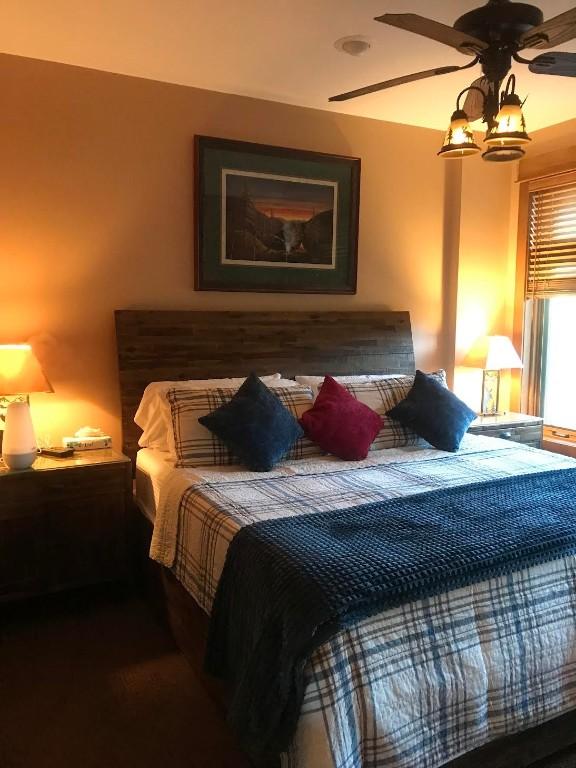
(419, 684)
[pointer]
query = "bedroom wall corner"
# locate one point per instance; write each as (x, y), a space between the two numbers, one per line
(452, 218)
(552, 150)
(486, 275)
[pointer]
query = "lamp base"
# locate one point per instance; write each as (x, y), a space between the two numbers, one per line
(19, 460)
(19, 444)
(490, 393)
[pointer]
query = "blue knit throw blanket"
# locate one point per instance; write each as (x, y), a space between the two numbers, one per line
(289, 584)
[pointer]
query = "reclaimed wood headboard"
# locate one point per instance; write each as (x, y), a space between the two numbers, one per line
(171, 345)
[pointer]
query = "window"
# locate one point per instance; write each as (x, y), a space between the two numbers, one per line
(548, 213)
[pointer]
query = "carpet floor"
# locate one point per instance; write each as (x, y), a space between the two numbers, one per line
(564, 759)
(96, 682)
(100, 684)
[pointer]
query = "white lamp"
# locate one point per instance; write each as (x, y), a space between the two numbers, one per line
(493, 354)
(20, 374)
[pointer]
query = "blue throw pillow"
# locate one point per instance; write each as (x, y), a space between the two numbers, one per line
(434, 413)
(255, 425)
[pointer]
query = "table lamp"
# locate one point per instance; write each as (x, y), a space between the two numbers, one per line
(493, 354)
(20, 375)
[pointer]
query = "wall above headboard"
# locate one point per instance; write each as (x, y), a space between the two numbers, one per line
(175, 345)
(98, 213)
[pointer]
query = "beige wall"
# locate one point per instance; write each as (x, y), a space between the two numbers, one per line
(486, 269)
(552, 150)
(96, 213)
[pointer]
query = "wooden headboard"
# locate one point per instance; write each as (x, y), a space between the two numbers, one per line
(160, 345)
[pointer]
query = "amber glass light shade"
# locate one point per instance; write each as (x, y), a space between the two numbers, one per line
(459, 141)
(503, 154)
(510, 127)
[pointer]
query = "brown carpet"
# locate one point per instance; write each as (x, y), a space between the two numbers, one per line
(564, 759)
(100, 684)
(94, 682)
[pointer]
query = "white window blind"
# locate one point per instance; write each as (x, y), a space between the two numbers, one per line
(551, 265)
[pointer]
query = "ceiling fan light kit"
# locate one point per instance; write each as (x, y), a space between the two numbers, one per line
(506, 127)
(493, 35)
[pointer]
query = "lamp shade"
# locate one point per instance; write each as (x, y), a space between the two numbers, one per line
(459, 140)
(20, 371)
(509, 128)
(493, 353)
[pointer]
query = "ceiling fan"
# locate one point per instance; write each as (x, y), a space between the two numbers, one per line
(493, 35)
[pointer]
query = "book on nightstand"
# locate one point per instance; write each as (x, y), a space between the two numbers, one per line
(87, 443)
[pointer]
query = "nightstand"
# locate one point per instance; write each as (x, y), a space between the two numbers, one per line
(518, 427)
(64, 523)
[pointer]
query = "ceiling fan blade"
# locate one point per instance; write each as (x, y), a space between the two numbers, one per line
(556, 63)
(474, 104)
(395, 81)
(553, 32)
(420, 25)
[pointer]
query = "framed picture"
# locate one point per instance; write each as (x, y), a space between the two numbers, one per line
(275, 219)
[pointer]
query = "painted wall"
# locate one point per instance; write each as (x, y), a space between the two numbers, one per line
(552, 150)
(96, 213)
(486, 271)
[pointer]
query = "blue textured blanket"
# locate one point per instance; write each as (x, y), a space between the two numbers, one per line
(289, 584)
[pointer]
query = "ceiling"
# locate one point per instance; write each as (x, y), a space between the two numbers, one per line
(282, 50)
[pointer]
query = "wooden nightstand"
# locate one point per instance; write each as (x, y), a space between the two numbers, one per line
(64, 523)
(518, 427)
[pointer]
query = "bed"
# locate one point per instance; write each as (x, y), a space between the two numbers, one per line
(161, 345)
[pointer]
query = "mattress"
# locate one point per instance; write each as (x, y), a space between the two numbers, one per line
(153, 468)
(419, 684)
(155, 472)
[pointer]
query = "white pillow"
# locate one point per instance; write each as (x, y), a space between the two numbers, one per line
(193, 445)
(315, 382)
(153, 414)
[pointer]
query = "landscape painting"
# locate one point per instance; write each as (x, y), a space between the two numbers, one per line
(278, 221)
(273, 219)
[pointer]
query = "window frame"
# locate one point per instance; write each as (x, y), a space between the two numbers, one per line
(528, 385)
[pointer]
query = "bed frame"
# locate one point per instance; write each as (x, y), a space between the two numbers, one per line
(158, 345)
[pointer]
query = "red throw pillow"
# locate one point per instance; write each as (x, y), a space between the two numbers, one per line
(339, 423)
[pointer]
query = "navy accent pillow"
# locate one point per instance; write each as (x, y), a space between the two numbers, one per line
(255, 425)
(434, 413)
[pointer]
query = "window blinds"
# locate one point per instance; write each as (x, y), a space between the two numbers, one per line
(551, 267)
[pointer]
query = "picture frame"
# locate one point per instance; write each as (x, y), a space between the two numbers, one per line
(273, 219)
